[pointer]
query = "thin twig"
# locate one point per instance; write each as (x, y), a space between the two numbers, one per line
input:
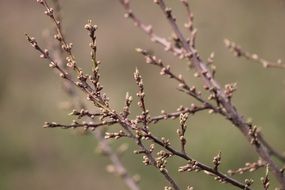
(239, 52)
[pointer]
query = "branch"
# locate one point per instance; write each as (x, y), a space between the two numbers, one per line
(71, 92)
(199, 165)
(239, 52)
(149, 30)
(231, 112)
(249, 167)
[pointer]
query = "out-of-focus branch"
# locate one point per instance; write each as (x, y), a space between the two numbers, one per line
(238, 51)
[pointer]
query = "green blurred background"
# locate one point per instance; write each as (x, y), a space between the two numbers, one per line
(30, 93)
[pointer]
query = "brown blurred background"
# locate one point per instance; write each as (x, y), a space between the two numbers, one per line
(34, 158)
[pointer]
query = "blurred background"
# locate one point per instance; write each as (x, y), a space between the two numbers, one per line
(32, 157)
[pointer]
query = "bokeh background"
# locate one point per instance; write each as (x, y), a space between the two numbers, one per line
(30, 93)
